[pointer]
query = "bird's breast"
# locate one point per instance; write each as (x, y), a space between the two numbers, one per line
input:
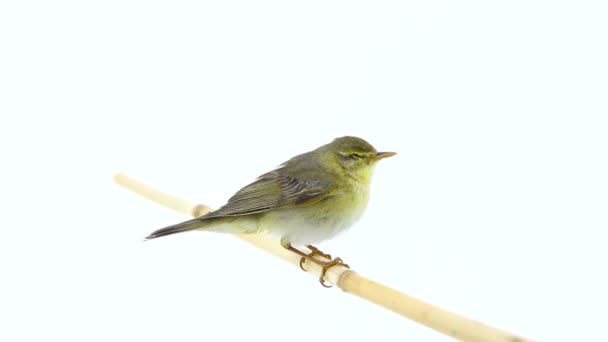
(319, 222)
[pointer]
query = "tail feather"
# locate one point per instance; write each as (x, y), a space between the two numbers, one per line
(177, 228)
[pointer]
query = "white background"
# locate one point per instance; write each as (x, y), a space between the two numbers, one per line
(495, 206)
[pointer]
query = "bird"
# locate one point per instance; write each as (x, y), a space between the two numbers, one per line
(306, 200)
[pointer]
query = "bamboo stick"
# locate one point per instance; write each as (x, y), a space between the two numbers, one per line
(431, 316)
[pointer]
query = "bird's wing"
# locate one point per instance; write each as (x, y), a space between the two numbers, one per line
(277, 190)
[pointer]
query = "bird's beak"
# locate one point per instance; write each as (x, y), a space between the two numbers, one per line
(382, 155)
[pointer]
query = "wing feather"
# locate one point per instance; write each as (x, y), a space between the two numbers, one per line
(275, 190)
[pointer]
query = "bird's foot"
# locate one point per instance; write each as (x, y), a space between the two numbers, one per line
(314, 251)
(325, 265)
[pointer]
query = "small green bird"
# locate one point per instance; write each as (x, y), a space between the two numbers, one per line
(310, 198)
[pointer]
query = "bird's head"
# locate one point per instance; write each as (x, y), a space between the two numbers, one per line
(355, 156)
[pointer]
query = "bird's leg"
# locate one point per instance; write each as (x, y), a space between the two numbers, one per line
(325, 265)
(315, 251)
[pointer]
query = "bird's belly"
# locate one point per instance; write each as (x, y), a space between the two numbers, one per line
(307, 226)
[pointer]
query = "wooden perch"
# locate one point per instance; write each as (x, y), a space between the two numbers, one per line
(431, 316)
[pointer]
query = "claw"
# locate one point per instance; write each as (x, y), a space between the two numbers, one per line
(302, 260)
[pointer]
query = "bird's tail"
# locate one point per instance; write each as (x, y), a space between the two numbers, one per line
(177, 228)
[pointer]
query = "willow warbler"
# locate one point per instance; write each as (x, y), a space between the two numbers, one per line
(308, 199)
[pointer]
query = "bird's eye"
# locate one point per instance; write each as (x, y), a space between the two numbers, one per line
(356, 156)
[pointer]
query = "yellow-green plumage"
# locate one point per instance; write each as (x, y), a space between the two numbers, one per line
(310, 198)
